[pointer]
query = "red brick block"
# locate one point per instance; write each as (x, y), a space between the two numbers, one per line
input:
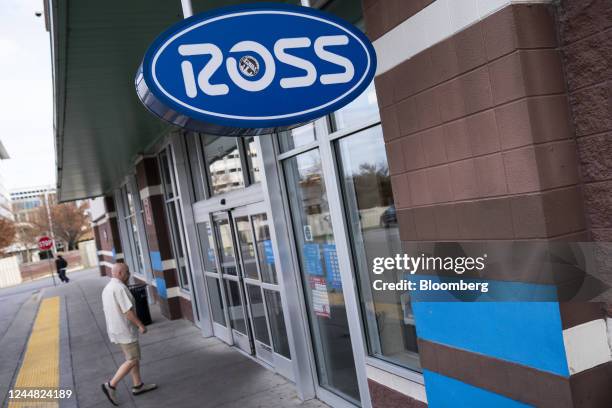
(457, 140)
(433, 146)
(412, 147)
(491, 175)
(482, 129)
(464, 180)
(395, 157)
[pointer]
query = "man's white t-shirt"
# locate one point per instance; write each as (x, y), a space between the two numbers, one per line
(116, 301)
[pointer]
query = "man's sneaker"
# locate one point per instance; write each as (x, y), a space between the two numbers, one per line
(142, 388)
(110, 393)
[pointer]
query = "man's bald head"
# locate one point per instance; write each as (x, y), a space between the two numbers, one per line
(121, 272)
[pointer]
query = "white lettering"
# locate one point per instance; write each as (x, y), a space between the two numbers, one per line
(325, 55)
(311, 72)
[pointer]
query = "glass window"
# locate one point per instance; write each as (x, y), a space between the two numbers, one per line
(320, 273)
(258, 312)
(133, 245)
(375, 233)
(226, 247)
(246, 247)
(297, 137)
(265, 252)
(277, 323)
(252, 159)
(223, 163)
(192, 141)
(361, 110)
(216, 302)
(173, 217)
(208, 248)
(236, 311)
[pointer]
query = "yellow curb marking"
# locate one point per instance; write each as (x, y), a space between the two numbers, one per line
(40, 366)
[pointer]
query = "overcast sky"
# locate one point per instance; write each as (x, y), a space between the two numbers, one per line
(26, 96)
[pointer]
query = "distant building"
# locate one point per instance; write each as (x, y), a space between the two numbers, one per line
(5, 200)
(25, 202)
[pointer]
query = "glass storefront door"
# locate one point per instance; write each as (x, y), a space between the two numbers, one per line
(244, 293)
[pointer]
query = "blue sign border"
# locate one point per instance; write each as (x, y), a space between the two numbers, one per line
(170, 111)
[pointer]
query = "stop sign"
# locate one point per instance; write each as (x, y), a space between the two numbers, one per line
(45, 243)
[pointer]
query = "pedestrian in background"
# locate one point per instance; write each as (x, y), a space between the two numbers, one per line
(123, 326)
(61, 265)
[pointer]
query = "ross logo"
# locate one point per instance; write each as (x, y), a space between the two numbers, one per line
(215, 73)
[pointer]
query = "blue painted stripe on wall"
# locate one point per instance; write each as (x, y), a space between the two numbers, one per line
(161, 288)
(527, 333)
(446, 392)
(156, 262)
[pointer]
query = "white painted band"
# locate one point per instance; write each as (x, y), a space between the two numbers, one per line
(586, 346)
(177, 292)
(168, 264)
(150, 191)
(400, 384)
(104, 263)
(435, 23)
(105, 218)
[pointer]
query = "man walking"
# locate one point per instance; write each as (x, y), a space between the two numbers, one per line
(61, 265)
(123, 327)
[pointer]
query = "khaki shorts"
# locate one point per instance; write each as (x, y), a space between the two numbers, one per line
(131, 350)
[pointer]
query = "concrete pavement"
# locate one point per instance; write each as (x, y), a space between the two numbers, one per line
(191, 371)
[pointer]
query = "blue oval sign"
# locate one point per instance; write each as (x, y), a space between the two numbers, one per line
(254, 69)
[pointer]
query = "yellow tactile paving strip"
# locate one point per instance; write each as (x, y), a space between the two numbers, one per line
(40, 368)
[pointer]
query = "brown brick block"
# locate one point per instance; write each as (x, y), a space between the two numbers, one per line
(390, 124)
(464, 180)
(592, 109)
(507, 81)
(485, 219)
(482, 129)
(579, 19)
(522, 174)
(542, 71)
(528, 217)
(407, 227)
(423, 73)
(491, 175)
(476, 90)
(402, 78)
(470, 48)
(598, 203)
(533, 120)
(414, 157)
(589, 61)
(425, 223)
(447, 227)
(563, 211)
(419, 187)
(384, 88)
(439, 182)
(428, 114)
(536, 26)
(401, 191)
(557, 164)
(433, 146)
(499, 31)
(444, 63)
(595, 153)
(395, 157)
(457, 140)
(451, 97)
(375, 20)
(407, 116)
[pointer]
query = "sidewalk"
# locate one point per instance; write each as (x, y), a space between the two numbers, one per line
(191, 371)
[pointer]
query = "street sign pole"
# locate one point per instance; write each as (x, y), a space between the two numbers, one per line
(45, 244)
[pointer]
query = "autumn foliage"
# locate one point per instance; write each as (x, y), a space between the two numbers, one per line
(7, 232)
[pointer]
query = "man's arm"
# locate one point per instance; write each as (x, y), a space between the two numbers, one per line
(131, 316)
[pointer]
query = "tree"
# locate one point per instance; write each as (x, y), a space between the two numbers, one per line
(70, 222)
(7, 232)
(26, 237)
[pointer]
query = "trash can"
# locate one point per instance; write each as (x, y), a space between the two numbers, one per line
(141, 303)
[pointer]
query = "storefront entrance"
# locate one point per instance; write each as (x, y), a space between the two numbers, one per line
(242, 283)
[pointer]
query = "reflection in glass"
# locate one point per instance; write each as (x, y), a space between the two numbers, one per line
(265, 252)
(246, 247)
(252, 159)
(297, 137)
(167, 176)
(192, 140)
(277, 322)
(320, 273)
(226, 246)
(374, 231)
(234, 301)
(223, 161)
(258, 314)
(216, 300)
(362, 109)
(174, 215)
(208, 248)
